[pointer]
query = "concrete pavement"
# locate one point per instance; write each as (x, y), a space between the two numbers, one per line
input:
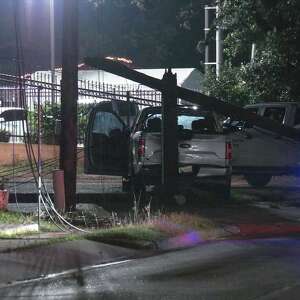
(266, 269)
(44, 260)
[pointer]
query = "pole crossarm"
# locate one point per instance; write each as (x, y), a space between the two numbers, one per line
(221, 107)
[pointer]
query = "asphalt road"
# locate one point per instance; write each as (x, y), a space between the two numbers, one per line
(241, 269)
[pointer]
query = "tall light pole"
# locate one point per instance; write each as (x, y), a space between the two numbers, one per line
(52, 48)
(219, 46)
(211, 13)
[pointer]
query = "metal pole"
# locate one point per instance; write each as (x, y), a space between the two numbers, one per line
(52, 50)
(206, 32)
(39, 158)
(253, 51)
(219, 47)
(128, 108)
(219, 40)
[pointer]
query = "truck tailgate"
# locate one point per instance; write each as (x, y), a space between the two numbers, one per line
(205, 150)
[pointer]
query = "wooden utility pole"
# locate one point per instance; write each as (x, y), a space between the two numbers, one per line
(69, 97)
(169, 131)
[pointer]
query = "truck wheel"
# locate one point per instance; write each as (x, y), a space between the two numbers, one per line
(258, 180)
(224, 191)
(180, 199)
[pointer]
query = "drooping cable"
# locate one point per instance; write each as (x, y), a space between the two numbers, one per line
(46, 200)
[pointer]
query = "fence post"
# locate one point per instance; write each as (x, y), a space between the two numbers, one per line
(169, 131)
(128, 108)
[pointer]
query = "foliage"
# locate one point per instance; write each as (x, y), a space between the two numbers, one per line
(152, 33)
(4, 135)
(83, 111)
(274, 26)
(51, 117)
(7, 217)
(229, 87)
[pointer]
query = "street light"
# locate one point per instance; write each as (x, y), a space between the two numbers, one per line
(52, 48)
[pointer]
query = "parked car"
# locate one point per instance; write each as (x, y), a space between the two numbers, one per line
(114, 147)
(260, 154)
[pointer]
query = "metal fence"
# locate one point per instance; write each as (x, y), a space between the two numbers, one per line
(38, 87)
(19, 96)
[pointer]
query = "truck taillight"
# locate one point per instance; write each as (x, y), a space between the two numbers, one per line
(141, 147)
(228, 153)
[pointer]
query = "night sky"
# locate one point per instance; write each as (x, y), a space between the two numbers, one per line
(152, 40)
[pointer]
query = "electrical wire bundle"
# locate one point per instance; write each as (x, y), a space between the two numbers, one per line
(34, 162)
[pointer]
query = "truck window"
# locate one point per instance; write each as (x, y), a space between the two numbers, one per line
(198, 123)
(252, 109)
(297, 117)
(106, 123)
(275, 113)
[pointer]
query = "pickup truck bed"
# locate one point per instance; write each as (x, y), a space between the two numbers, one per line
(259, 154)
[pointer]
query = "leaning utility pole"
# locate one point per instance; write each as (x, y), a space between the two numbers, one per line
(169, 131)
(69, 96)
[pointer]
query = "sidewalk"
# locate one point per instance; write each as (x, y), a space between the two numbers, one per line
(12, 229)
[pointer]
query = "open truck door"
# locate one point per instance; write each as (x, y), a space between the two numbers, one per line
(107, 138)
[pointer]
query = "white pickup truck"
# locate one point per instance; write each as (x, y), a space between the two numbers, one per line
(111, 148)
(259, 154)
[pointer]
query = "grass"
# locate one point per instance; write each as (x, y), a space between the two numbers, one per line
(150, 232)
(16, 218)
(142, 229)
(138, 236)
(141, 232)
(7, 217)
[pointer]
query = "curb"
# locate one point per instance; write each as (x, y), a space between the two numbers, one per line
(18, 229)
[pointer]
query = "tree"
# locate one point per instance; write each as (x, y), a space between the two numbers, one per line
(274, 26)
(153, 33)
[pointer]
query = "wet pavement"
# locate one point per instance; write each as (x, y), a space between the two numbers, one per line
(40, 261)
(232, 269)
(244, 269)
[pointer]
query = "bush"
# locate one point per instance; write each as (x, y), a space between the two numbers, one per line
(4, 136)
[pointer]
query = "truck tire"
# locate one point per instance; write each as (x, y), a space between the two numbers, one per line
(224, 191)
(258, 180)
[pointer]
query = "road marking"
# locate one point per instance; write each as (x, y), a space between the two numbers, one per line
(63, 273)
